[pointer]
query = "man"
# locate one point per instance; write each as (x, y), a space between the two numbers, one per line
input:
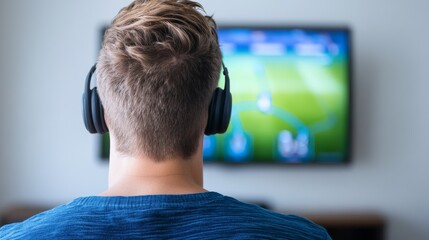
(157, 72)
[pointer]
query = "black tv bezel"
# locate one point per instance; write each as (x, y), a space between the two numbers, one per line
(329, 28)
(340, 28)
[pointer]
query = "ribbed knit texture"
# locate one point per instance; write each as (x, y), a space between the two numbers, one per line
(193, 216)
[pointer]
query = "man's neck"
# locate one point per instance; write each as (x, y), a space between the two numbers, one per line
(130, 176)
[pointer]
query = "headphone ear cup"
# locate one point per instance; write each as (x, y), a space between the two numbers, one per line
(226, 115)
(87, 113)
(219, 112)
(97, 112)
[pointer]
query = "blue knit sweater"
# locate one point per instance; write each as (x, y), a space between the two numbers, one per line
(193, 216)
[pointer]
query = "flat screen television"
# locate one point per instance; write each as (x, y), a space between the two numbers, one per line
(291, 89)
(291, 96)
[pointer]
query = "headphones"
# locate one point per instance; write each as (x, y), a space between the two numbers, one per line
(217, 122)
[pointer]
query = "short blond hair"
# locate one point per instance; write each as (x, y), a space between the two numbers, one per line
(156, 73)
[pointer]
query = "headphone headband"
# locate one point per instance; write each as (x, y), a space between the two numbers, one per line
(226, 74)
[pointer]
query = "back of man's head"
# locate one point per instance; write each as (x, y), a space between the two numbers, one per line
(156, 73)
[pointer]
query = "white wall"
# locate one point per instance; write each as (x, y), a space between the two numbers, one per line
(46, 156)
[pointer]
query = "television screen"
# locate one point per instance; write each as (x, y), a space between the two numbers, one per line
(291, 96)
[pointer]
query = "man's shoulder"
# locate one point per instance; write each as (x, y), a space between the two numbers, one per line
(276, 224)
(32, 225)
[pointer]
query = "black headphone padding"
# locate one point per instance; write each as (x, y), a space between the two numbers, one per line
(211, 119)
(97, 112)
